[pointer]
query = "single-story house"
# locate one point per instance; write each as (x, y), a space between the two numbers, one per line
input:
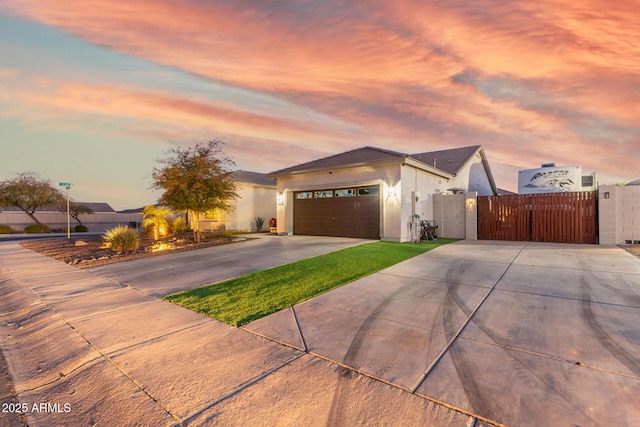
(375, 193)
(256, 198)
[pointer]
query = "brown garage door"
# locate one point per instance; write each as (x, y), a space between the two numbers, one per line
(343, 212)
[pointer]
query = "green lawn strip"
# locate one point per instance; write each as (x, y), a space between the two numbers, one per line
(246, 298)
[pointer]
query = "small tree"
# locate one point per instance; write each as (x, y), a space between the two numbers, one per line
(28, 193)
(157, 219)
(75, 210)
(196, 179)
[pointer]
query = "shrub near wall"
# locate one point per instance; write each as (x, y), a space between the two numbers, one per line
(36, 228)
(5, 229)
(81, 229)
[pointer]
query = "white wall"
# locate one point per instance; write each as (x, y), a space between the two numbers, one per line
(97, 222)
(619, 214)
(253, 201)
(473, 177)
(426, 185)
(456, 215)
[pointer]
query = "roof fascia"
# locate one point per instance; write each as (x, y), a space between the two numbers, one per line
(382, 162)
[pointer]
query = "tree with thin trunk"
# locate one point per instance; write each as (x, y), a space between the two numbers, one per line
(28, 193)
(196, 179)
(75, 210)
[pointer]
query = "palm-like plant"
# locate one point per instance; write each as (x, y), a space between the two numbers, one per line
(157, 218)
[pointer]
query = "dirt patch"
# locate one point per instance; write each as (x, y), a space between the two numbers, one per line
(632, 249)
(73, 252)
(11, 413)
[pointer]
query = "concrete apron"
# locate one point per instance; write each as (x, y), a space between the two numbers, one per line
(88, 350)
(513, 333)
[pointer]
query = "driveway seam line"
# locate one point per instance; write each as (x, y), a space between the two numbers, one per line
(464, 324)
(373, 377)
(295, 318)
(243, 387)
(615, 304)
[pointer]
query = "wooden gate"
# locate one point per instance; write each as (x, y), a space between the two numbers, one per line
(551, 217)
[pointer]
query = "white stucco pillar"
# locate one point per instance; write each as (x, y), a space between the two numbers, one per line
(471, 215)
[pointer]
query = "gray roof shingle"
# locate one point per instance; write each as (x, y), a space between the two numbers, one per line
(253, 178)
(451, 160)
(353, 157)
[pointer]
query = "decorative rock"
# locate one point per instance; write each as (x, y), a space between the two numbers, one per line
(80, 243)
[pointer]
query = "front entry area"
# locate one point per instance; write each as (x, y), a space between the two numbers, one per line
(339, 212)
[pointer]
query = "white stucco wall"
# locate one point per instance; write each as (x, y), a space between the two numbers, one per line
(253, 201)
(425, 185)
(97, 222)
(473, 177)
(619, 214)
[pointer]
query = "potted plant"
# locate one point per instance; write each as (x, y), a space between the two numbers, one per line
(273, 229)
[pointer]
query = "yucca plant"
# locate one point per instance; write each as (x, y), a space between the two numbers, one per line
(259, 223)
(121, 238)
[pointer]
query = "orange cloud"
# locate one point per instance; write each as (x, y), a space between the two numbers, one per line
(528, 80)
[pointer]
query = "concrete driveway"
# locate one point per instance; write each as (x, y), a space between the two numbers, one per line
(160, 276)
(473, 333)
(519, 334)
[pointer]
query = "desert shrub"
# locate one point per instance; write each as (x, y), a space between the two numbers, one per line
(81, 228)
(121, 238)
(5, 229)
(36, 228)
(178, 226)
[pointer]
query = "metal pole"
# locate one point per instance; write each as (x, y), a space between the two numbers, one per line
(68, 221)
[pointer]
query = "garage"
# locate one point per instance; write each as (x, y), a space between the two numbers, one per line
(340, 212)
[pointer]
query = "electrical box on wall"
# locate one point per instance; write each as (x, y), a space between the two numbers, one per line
(415, 195)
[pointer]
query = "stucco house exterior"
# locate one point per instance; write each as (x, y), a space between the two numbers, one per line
(256, 198)
(375, 193)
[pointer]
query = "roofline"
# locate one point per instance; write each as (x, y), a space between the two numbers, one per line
(487, 169)
(382, 162)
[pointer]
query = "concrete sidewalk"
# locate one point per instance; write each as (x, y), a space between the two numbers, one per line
(472, 333)
(87, 350)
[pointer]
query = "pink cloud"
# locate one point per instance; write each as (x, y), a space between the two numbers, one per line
(389, 70)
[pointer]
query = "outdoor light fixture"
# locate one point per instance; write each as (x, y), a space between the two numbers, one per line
(390, 191)
(280, 199)
(606, 195)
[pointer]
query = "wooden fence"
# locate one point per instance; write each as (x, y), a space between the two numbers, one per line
(551, 217)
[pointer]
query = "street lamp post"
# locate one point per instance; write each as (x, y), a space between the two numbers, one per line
(67, 185)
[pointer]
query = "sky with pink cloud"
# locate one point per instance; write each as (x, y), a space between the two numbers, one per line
(94, 92)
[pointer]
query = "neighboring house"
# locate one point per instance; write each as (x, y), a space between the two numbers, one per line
(374, 193)
(256, 198)
(103, 217)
